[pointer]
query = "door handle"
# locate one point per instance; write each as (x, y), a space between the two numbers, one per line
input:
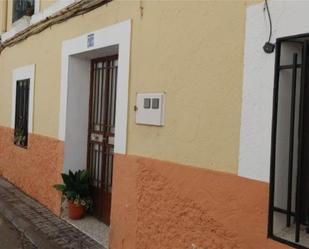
(97, 137)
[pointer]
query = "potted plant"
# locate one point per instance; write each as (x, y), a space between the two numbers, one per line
(19, 138)
(19, 134)
(76, 189)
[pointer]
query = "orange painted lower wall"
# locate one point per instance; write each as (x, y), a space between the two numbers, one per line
(35, 169)
(155, 204)
(162, 205)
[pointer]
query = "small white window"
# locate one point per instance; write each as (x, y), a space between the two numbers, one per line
(23, 83)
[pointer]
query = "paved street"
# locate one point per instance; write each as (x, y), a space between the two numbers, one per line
(45, 230)
(10, 238)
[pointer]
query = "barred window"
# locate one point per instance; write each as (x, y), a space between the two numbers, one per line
(21, 113)
(22, 8)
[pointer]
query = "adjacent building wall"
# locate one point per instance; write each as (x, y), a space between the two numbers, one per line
(9, 15)
(255, 139)
(193, 51)
(3, 16)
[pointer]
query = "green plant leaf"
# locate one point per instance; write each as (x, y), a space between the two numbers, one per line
(71, 195)
(60, 187)
(67, 180)
(84, 175)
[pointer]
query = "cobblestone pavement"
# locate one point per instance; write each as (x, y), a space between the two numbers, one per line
(56, 229)
(10, 238)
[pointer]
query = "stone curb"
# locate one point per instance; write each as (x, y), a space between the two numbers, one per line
(37, 238)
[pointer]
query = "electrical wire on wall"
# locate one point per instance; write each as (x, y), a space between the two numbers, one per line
(268, 46)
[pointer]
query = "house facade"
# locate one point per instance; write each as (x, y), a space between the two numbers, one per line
(168, 104)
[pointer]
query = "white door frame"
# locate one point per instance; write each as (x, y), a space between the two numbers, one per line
(118, 34)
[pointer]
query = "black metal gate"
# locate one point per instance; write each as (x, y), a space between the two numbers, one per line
(102, 108)
(289, 174)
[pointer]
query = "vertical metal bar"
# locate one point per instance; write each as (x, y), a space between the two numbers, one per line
(24, 111)
(111, 123)
(97, 95)
(22, 106)
(114, 113)
(102, 99)
(89, 157)
(110, 97)
(300, 142)
(92, 98)
(105, 148)
(26, 117)
(101, 197)
(111, 150)
(17, 105)
(273, 142)
(109, 116)
(96, 121)
(97, 128)
(115, 100)
(291, 152)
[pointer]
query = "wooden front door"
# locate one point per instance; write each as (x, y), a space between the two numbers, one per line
(101, 132)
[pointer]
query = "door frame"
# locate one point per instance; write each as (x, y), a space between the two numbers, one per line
(75, 53)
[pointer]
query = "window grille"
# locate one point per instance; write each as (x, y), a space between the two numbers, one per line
(21, 113)
(22, 8)
(288, 220)
(102, 107)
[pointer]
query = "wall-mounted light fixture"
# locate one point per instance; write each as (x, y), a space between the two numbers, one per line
(268, 46)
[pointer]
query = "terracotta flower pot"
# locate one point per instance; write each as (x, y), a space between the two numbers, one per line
(75, 212)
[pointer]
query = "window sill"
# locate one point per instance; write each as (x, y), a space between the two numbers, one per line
(21, 146)
(18, 26)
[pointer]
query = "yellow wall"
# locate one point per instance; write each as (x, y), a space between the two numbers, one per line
(193, 51)
(46, 3)
(3, 10)
(9, 14)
